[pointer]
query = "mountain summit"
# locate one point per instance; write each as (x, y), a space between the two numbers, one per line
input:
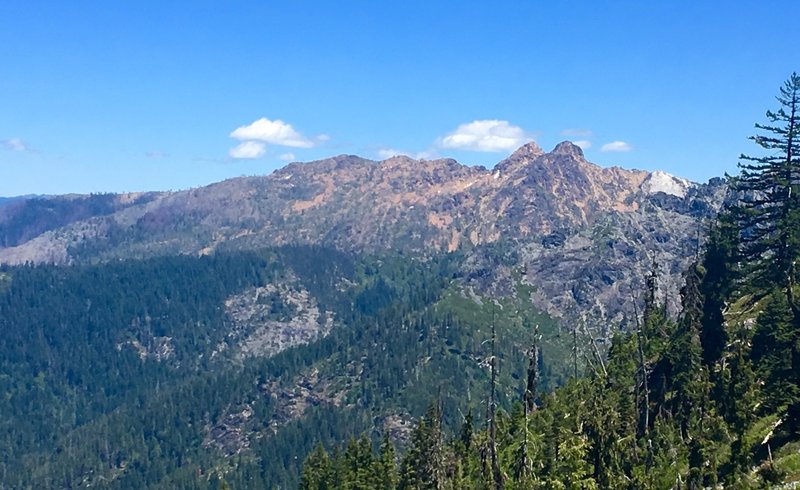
(569, 148)
(556, 208)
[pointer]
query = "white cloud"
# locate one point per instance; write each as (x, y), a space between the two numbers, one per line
(248, 149)
(617, 146)
(155, 154)
(489, 135)
(288, 157)
(583, 144)
(15, 144)
(576, 132)
(274, 132)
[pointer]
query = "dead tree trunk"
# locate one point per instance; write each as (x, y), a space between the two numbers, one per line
(533, 374)
(497, 475)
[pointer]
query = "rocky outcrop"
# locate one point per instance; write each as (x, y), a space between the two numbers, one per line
(269, 319)
(233, 431)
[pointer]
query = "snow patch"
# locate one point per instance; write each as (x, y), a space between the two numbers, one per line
(660, 181)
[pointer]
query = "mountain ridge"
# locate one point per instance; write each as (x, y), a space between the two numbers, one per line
(549, 207)
(528, 166)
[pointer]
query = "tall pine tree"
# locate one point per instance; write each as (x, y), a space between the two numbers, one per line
(769, 215)
(769, 210)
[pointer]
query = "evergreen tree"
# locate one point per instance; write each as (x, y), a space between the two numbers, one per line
(720, 263)
(467, 430)
(317, 471)
(689, 374)
(613, 421)
(773, 345)
(769, 212)
(358, 465)
(523, 450)
(424, 463)
(769, 216)
(572, 470)
(385, 466)
(655, 371)
(742, 399)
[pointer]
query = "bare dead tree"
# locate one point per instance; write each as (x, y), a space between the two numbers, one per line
(497, 475)
(595, 350)
(533, 373)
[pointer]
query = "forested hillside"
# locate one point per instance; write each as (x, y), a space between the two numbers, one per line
(710, 399)
(168, 372)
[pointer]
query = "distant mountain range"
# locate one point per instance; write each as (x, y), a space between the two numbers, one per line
(8, 200)
(580, 233)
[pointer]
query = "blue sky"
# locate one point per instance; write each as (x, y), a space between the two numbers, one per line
(128, 96)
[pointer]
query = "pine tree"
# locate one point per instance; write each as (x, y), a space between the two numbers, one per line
(769, 212)
(523, 449)
(769, 215)
(653, 338)
(385, 467)
(565, 455)
(423, 465)
(615, 415)
(608, 435)
(358, 464)
(720, 263)
(497, 475)
(467, 431)
(317, 471)
(742, 398)
(689, 374)
(773, 343)
(572, 469)
(694, 412)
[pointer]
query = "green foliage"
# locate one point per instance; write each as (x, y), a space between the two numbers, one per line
(423, 466)
(720, 265)
(773, 342)
(789, 465)
(385, 466)
(769, 213)
(317, 471)
(769, 219)
(79, 350)
(516, 321)
(354, 468)
(693, 402)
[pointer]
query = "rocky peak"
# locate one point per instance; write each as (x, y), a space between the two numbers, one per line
(660, 181)
(527, 151)
(398, 161)
(568, 148)
(519, 159)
